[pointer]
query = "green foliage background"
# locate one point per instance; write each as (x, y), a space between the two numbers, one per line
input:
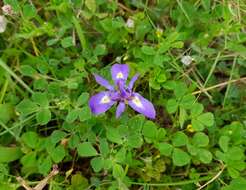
(47, 56)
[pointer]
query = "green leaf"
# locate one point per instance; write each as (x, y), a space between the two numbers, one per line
(165, 149)
(27, 70)
(100, 49)
(164, 46)
(104, 147)
(158, 61)
(135, 141)
(187, 101)
(82, 99)
(196, 125)
(29, 160)
(29, 11)
(178, 44)
(154, 84)
(196, 110)
(78, 182)
(8, 186)
(120, 155)
(10, 154)
(150, 130)
(58, 153)
(180, 90)
(118, 171)
(73, 141)
(182, 117)
(67, 42)
(161, 78)
(180, 158)
(200, 139)
(72, 115)
(235, 153)
(113, 135)
(224, 143)
(192, 149)
(172, 106)
(97, 164)
(86, 149)
(44, 165)
(233, 172)
(31, 139)
(26, 107)
(43, 117)
(14, 4)
(179, 139)
(41, 99)
(161, 134)
(205, 119)
(236, 184)
(91, 5)
(204, 156)
(57, 136)
(6, 112)
(85, 114)
(148, 50)
(136, 123)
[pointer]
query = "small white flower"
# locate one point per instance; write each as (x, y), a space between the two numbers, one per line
(7, 9)
(3, 23)
(130, 23)
(186, 60)
(159, 32)
(118, 59)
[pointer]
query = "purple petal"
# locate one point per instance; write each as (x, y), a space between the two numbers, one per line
(122, 89)
(142, 105)
(103, 82)
(119, 72)
(100, 102)
(120, 109)
(132, 81)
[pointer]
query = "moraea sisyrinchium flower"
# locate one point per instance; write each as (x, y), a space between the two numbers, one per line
(122, 94)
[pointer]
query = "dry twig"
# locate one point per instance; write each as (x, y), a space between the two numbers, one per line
(214, 178)
(42, 183)
(219, 85)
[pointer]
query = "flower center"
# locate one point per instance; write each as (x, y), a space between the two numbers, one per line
(137, 102)
(119, 75)
(105, 99)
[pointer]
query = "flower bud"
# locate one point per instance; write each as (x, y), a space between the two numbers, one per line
(7, 9)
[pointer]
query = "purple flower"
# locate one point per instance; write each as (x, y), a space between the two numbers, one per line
(122, 94)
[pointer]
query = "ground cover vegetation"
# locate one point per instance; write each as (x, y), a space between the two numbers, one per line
(172, 116)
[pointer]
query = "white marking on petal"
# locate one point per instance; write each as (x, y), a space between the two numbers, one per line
(137, 102)
(105, 99)
(119, 75)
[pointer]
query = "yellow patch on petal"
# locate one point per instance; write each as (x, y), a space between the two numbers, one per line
(105, 99)
(119, 75)
(137, 102)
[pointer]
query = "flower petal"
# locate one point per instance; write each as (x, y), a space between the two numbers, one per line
(142, 105)
(120, 109)
(100, 102)
(132, 81)
(119, 72)
(103, 82)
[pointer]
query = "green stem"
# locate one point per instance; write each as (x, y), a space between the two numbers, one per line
(3, 91)
(9, 131)
(7, 69)
(80, 33)
(205, 178)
